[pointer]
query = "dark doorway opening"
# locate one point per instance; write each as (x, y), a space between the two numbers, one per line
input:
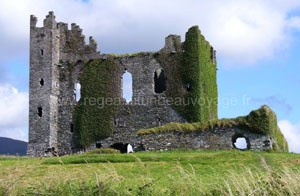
(159, 81)
(98, 145)
(120, 146)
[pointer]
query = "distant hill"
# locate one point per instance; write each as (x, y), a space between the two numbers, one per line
(12, 147)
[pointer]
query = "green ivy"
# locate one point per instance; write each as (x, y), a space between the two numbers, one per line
(93, 119)
(193, 67)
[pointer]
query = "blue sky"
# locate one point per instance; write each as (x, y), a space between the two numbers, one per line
(257, 43)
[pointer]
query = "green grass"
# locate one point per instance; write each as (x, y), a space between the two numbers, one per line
(104, 151)
(156, 173)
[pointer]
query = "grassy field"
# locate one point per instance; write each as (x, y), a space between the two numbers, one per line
(156, 173)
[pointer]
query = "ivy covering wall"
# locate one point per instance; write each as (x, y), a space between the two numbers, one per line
(200, 73)
(94, 113)
(191, 76)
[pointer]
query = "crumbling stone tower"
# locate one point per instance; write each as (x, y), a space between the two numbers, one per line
(44, 86)
(49, 45)
(59, 59)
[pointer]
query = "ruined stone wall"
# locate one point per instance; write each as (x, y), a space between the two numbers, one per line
(147, 109)
(59, 55)
(132, 118)
(74, 54)
(218, 138)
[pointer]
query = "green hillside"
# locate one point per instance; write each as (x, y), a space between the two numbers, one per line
(155, 173)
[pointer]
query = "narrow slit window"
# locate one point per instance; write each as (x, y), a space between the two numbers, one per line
(71, 127)
(188, 87)
(42, 82)
(77, 91)
(159, 81)
(42, 52)
(127, 86)
(212, 54)
(40, 111)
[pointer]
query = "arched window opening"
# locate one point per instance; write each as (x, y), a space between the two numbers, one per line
(127, 86)
(40, 111)
(240, 142)
(77, 91)
(159, 81)
(42, 82)
(42, 52)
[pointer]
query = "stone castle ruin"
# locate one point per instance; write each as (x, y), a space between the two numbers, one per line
(174, 99)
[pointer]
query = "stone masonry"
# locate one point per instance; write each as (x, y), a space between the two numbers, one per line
(218, 138)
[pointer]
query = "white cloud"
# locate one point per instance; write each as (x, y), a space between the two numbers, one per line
(292, 134)
(294, 22)
(242, 31)
(13, 112)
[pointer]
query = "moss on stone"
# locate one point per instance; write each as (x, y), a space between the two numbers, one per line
(182, 127)
(127, 54)
(263, 121)
(93, 119)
